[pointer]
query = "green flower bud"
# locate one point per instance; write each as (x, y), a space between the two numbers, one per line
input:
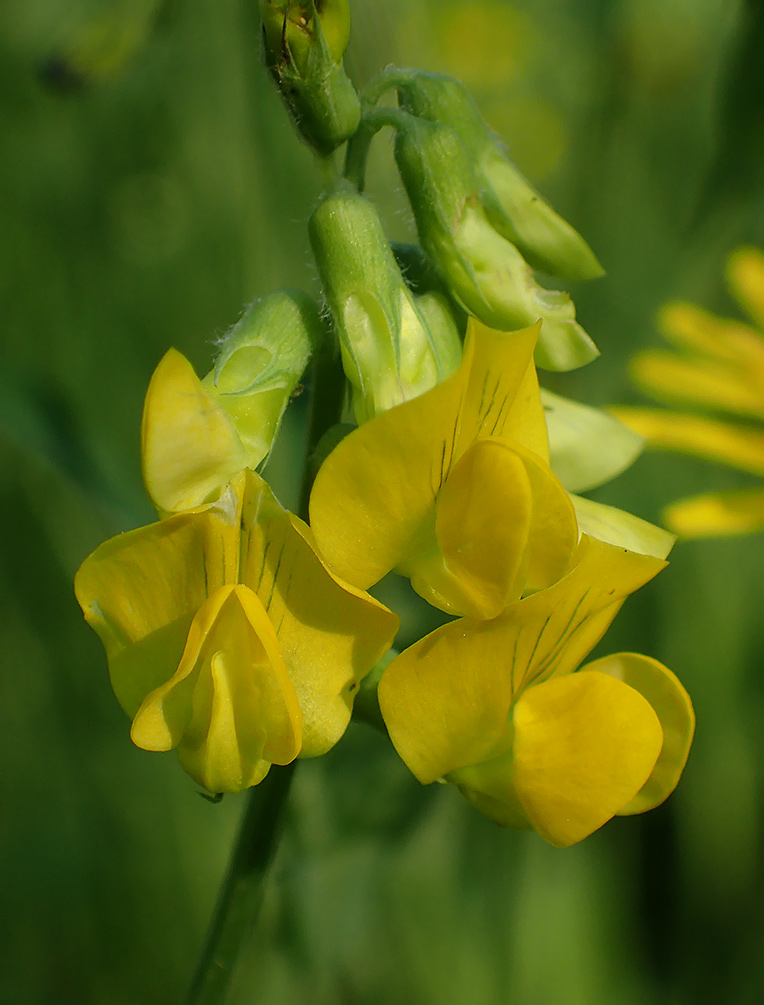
(260, 363)
(514, 207)
(394, 345)
(304, 42)
(483, 270)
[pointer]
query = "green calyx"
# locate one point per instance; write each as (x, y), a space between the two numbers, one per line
(260, 363)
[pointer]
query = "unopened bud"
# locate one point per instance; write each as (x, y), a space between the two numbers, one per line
(514, 207)
(484, 271)
(304, 44)
(393, 348)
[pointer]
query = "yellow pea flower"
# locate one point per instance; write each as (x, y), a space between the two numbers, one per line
(499, 709)
(228, 638)
(720, 367)
(452, 488)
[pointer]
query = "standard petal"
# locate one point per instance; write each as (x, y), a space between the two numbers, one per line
(584, 745)
(739, 446)
(587, 446)
(230, 707)
(502, 393)
(671, 704)
(717, 514)
(378, 486)
(483, 517)
(549, 633)
(669, 377)
(189, 446)
(330, 634)
(140, 591)
(445, 700)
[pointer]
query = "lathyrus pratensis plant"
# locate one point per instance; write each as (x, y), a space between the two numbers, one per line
(239, 635)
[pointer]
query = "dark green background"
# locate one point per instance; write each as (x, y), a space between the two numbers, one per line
(141, 211)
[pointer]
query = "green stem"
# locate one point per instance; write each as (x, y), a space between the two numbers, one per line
(359, 143)
(242, 891)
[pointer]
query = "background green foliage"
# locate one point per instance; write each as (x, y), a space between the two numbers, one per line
(141, 210)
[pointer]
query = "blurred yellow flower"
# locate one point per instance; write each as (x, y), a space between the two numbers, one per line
(228, 638)
(720, 367)
(452, 488)
(499, 709)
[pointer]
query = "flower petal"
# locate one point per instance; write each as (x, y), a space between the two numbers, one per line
(584, 745)
(141, 590)
(717, 514)
(445, 700)
(502, 394)
(670, 377)
(230, 707)
(330, 634)
(548, 634)
(745, 276)
(671, 704)
(483, 517)
(379, 485)
(588, 447)
(376, 491)
(189, 446)
(690, 327)
(739, 446)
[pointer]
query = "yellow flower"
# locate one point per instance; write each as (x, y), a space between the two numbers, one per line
(720, 367)
(228, 638)
(499, 709)
(453, 488)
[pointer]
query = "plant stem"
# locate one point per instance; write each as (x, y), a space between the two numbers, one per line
(242, 891)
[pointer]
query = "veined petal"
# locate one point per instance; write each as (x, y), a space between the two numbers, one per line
(617, 526)
(588, 447)
(445, 700)
(549, 633)
(717, 514)
(189, 446)
(583, 745)
(378, 486)
(739, 446)
(140, 591)
(690, 327)
(671, 704)
(482, 522)
(669, 377)
(502, 396)
(330, 634)
(553, 533)
(377, 489)
(230, 707)
(745, 276)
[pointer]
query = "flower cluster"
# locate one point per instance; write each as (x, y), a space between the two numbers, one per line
(239, 635)
(719, 367)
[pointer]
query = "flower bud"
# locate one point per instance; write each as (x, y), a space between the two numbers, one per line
(514, 208)
(394, 345)
(304, 42)
(196, 434)
(484, 271)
